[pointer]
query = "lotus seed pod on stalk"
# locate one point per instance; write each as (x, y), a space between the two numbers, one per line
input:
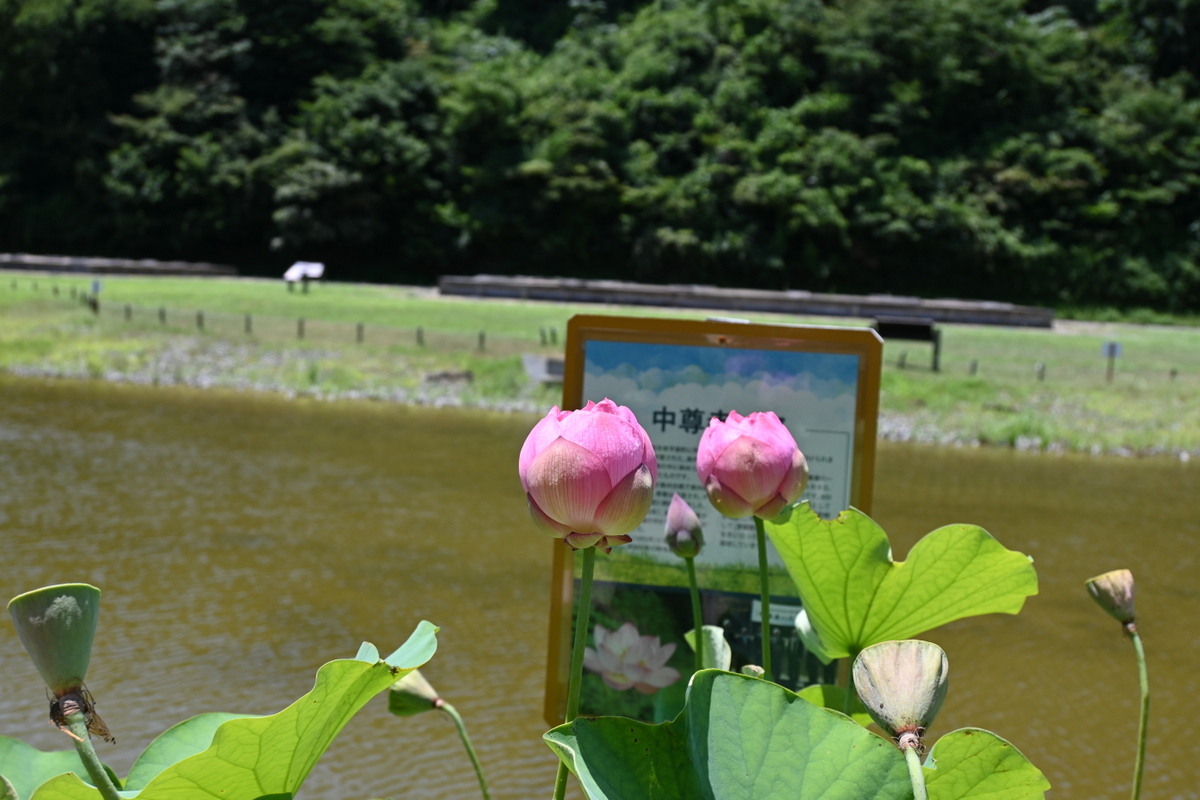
(57, 625)
(589, 474)
(684, 536)
(1113, 591)
(412, 695)
(902, 685)
(750, 466)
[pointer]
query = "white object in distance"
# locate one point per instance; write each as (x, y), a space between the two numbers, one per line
(304, 269)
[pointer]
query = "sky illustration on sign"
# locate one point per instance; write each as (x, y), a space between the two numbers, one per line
(643, 375)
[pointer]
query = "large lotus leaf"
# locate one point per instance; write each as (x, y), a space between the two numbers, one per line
(7, 792)
(256, 757)
(974, 763)
(27, 768)
(738, 738)
(855, 595)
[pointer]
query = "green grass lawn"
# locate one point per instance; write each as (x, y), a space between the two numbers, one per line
(1144, 409)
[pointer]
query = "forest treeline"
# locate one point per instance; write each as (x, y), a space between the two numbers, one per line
(1022, 151)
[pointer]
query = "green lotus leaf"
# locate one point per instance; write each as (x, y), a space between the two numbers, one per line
(974, 763)
(7, 792)
(26, 768)
(57, 624)
(824, 695)
(178, 742)
(855, 595)
(254, 757)
(738, 738)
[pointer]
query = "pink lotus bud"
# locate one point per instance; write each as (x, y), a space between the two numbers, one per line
(1113, 591)
(750, 465)
(684, 536)
(589, 474)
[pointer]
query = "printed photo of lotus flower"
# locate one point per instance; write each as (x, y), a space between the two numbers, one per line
(627, 660)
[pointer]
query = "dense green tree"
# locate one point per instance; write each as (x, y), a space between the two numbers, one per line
(65, 66)
(1019, 150)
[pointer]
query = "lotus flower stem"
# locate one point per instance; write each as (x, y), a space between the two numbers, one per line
(576, 675)
(697, 617)
(764, 581)
(848, 700)
(1143, 722)
(77, 725)
(914, 773)
(466, 740)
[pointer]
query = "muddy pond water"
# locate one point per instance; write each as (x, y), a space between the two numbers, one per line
(243, 540)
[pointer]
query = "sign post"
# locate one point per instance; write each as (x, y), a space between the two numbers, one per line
(676, 375)
(1110, 350)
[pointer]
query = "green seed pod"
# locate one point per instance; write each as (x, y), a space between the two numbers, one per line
(1113, 591)
(57, 624)
(412, 695)
(902, 685)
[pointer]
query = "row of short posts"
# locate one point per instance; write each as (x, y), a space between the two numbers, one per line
(248, 324)
(1039, 368)
(547, 335)
(360, 329)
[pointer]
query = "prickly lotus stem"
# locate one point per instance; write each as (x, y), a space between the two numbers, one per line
(1113, 591)
(412, 695)
(57, 625)
(902, 685)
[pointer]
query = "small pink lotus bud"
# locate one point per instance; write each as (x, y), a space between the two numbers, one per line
(1113, 591)
(684, 536)
(750, 465)
(753, 670)
(589, 474)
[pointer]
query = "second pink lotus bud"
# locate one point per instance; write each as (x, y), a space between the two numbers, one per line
(750, 465)
(684, 536)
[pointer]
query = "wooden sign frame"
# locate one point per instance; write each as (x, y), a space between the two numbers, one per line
(765, 353)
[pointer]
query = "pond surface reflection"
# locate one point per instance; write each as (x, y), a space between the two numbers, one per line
(242, 541)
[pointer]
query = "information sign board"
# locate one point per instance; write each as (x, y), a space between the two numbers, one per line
(676, 375)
